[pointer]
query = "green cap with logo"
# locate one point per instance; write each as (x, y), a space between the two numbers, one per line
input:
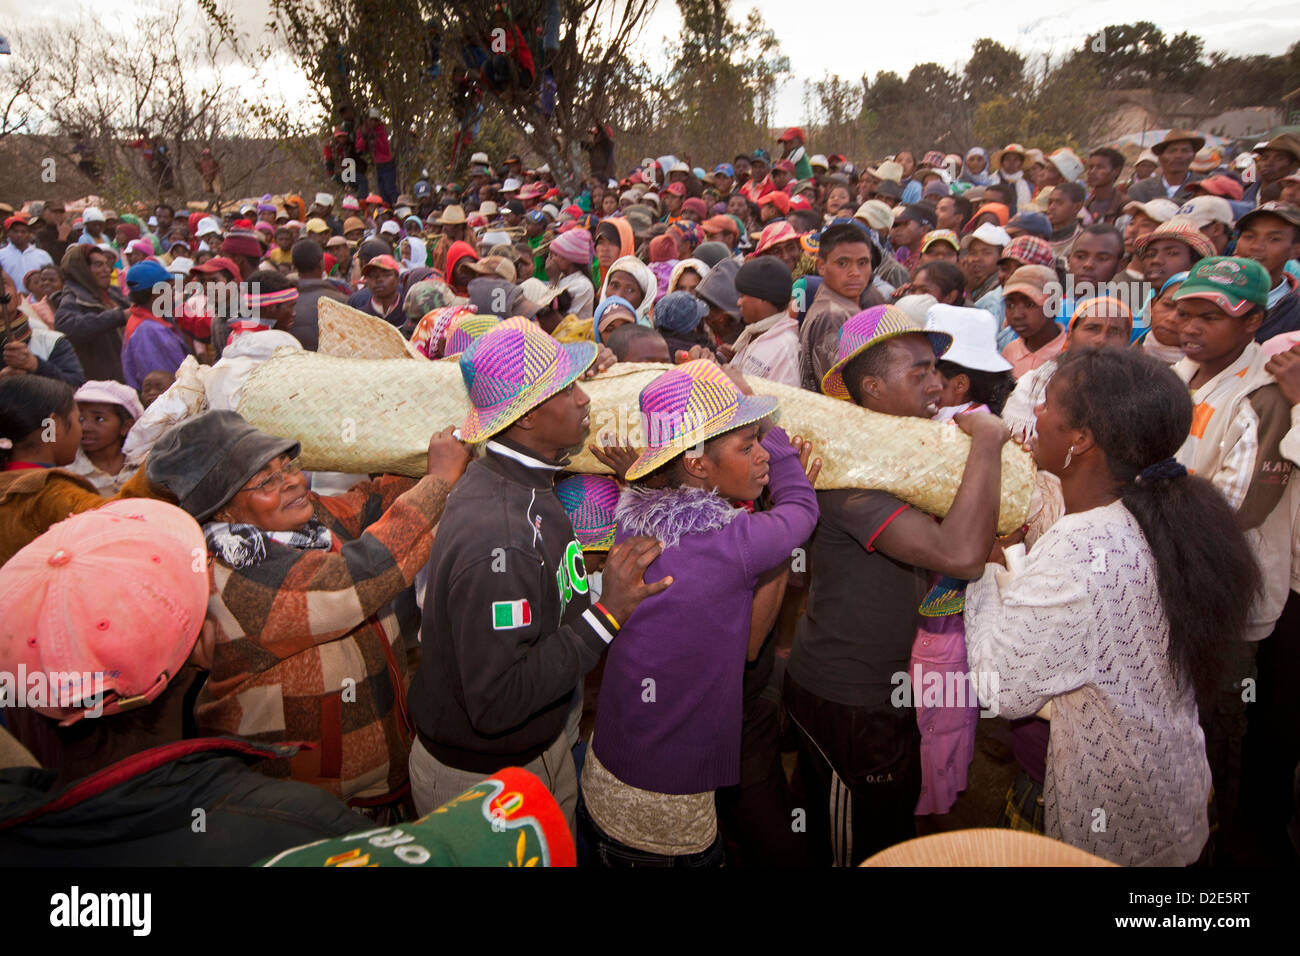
(1233, 284)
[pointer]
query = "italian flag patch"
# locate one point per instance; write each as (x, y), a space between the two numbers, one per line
(507, 615)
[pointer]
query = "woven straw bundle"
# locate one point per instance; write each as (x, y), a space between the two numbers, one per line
(985, 847)
(359, 415)
(346, 331)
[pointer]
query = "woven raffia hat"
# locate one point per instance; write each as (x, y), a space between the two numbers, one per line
(870, 328)
(984, 847)
(513, 369)
(591, 501)
(464, 329)
(688, 405)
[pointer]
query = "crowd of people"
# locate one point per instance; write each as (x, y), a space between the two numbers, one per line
(334, 662)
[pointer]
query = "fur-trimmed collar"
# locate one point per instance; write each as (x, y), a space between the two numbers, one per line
(669, 513)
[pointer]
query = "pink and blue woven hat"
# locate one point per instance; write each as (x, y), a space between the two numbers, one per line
(464, 329)
(869, 328)
(591, 501)
(688, 405)
(513, 368)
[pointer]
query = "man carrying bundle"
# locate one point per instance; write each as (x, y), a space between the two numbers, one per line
(859, 754)
(509, 628)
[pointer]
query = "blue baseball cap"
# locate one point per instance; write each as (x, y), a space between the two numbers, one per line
(143, 276)
(725, 168)
(535, 215)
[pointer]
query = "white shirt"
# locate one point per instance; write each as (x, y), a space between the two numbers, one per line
(583, 292)
(1082, 625)
(18, 262)
(774, 354)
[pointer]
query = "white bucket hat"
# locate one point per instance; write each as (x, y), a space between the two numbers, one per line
(974, 337)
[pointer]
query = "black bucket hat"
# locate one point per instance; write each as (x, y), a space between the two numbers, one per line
(204, 462)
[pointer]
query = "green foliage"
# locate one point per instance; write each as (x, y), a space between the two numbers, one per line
(1139, 56)
(991, 71)
(720, 87)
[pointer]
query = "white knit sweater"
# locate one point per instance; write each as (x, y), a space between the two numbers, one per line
(1082, 624)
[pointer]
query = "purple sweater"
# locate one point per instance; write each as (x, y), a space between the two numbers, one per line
(153, 347)
(691, 639)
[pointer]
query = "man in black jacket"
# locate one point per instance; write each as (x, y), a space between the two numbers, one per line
(509, 628)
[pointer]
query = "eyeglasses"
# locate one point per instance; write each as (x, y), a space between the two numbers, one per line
(275, 479)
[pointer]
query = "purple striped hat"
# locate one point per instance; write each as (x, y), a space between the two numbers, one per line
(590, 501)
(688, 405)
(464, 329)
(512, 369)
(867, 329)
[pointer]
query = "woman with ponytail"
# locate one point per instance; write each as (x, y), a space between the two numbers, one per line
(40, 432)
(1121, 615)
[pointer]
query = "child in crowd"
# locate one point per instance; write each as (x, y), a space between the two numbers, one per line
(668, 722)
(976, 378)
(40, 431)
(107, 410)
(155, 384)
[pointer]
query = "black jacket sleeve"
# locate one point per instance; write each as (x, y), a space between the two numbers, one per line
(62, 364)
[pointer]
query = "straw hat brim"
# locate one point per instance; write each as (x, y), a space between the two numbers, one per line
(833, 381)
(573, 359)
(1180, 136)
(984, 847)
(749, 409)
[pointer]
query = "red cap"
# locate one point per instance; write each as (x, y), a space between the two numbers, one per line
(126, 643)
(800, 202)
(374, 199)
(785, 165)
(794, 132)
(778, 199)
(16, 220)
(1223, 186)
(677, 189)
(382, 262)
(219, 262)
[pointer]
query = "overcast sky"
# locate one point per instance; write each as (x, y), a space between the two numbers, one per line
(828, 37)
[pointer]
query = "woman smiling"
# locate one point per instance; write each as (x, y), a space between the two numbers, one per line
(299, 642)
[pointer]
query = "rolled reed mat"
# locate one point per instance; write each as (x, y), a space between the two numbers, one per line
(358, 415)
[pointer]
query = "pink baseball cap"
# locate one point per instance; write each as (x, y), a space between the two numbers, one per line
(111, 601)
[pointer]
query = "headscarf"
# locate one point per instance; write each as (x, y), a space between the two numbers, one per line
(983, 177)
(604, 307)
(76, 268)
(431, 331)
(698, 266)
(1100, 305)
(688, 235)
(997, 209)
(663, 259)
(417, 254)
(639, 271)
(455, 253)
(622, 231)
